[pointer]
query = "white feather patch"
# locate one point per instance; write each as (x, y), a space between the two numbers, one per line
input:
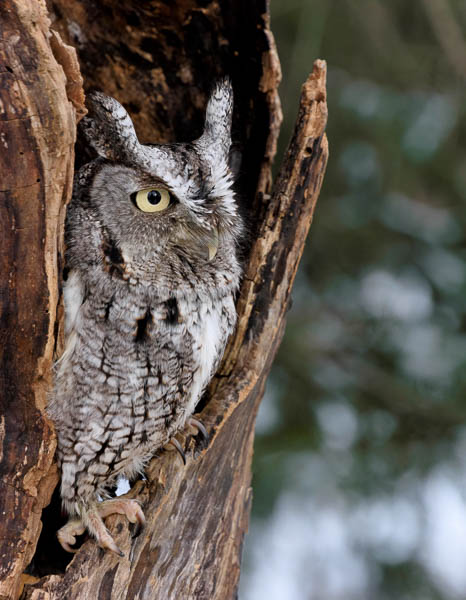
(73, 296)
(209, 341)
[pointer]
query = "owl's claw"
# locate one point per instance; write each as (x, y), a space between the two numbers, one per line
(199, 426)
(101, 533)
(176, 444)
(67, 534)
(131, 509)
(123, 506)
(137, 530)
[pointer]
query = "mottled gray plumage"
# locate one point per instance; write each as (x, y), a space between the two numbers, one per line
(149, 300)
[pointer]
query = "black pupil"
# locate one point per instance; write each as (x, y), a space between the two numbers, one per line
(154, 197)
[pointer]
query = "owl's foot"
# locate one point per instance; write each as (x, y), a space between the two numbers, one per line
(93, 519)
(199, 428)
(124, 506)
(67, 534)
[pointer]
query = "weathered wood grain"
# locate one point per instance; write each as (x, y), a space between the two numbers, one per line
(37, 132)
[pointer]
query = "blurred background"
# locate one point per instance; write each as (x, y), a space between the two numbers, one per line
(360, 456)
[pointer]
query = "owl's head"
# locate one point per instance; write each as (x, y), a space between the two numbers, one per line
(164, 198)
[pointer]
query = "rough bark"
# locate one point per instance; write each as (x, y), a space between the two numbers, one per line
(37, 134)
(159, 59)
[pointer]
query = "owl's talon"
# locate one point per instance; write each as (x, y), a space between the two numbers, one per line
(67, 534)
(137, 530)
(131, 509)
(65, 546)
(108, 543)
(199, 426)
(97, 527)
(176, 444)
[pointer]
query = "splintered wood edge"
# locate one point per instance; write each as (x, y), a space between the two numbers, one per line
(275, 255)
(67, 57)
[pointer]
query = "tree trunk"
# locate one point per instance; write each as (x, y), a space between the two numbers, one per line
(37, 134)
(159, 59)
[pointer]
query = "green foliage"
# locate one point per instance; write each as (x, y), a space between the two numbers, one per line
(365, 405)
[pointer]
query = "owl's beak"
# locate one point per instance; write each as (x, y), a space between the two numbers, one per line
(213, 244)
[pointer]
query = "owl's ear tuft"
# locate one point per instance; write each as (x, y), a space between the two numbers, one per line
(108, 127)
(216, 139)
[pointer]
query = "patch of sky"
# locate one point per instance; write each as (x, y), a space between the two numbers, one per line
(406, 297)
(419, 220)
(389, 527)
(339, 424)
(443, 546)
(428, 353)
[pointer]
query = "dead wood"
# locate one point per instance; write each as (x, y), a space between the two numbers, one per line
(37, 134)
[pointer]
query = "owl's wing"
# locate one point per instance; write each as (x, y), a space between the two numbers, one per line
(73, 295)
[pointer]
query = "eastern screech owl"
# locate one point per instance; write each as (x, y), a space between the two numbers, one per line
(151, 237)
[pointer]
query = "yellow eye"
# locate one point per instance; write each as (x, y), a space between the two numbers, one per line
(152, 199)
